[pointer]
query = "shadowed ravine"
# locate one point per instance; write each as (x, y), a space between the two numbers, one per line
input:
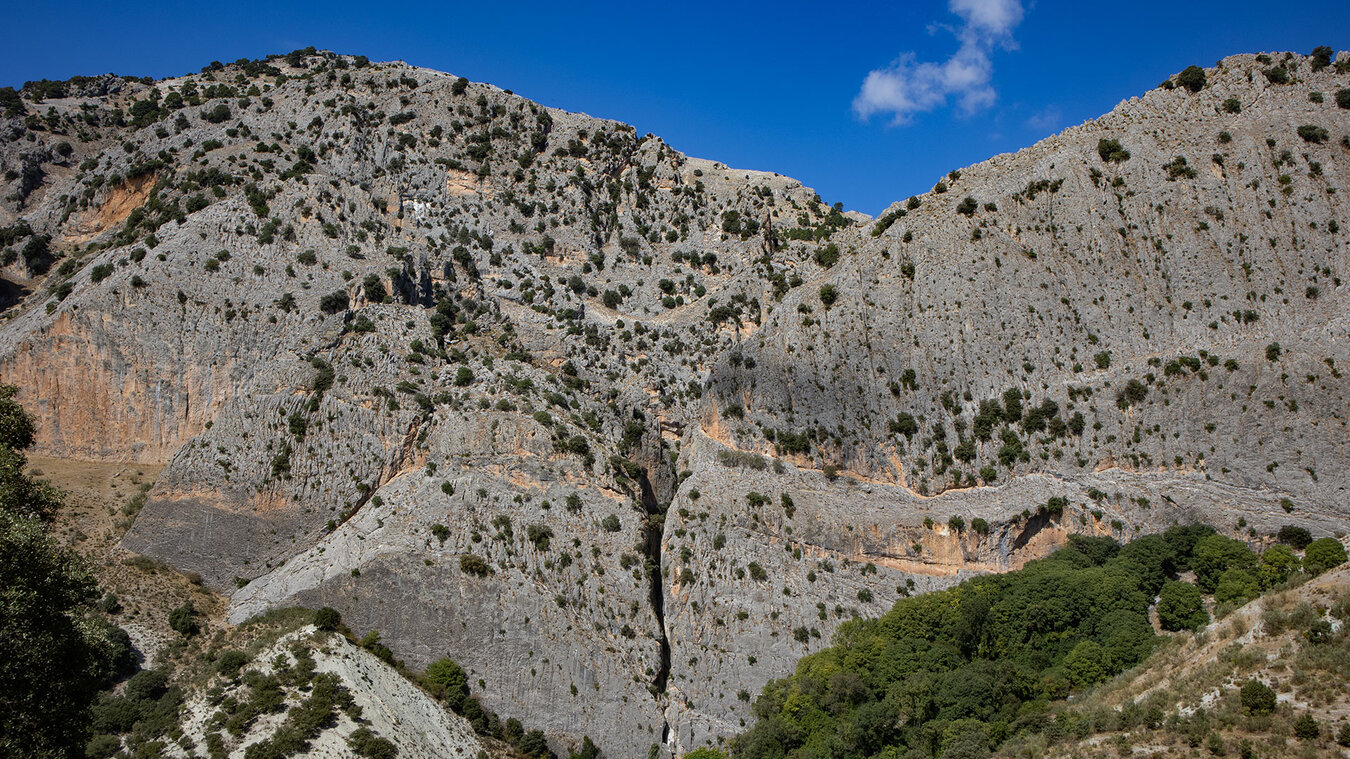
(654, 531)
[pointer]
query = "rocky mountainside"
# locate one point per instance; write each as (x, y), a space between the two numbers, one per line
(627, 433)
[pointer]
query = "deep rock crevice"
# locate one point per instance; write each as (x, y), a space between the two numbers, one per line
(654, 535)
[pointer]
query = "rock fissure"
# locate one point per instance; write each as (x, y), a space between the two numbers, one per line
(654, 533)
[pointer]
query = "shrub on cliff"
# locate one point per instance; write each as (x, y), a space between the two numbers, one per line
(473, 564)
(1192, 78)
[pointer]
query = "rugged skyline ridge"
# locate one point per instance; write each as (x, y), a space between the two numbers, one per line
(626, 432)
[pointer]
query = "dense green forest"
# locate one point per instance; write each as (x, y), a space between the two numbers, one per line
(956, 673)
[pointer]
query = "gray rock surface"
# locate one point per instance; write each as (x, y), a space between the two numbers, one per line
(390, 706)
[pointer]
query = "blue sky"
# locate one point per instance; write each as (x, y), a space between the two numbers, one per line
(777, 88)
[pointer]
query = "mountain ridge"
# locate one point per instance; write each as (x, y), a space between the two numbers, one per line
(325, 446)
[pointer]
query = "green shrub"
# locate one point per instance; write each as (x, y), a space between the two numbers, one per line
(539, 535)
(1133, 394)
(373, 286)
(1322, 57)
(327, 618)
(1178, 168)
(447, 680)
(323, 375)
(904, 424)
(147, 685)
(218, 114)
(473, 564)
(534, 744)
(334, 302)
(1236, 587)
(1277, 563)
(1298, 537)
(1323, 554)
(1214, 555)
(1111, 151)
(230, 662)
(184, 620)
(1086, 664)
(1232, 105)
(1180, 607)
(828, 255)
(731, 222)
(972, 659)
(297, 424)
(115, 714)
(1343, 98)
(103, 746)
(1257, 697)
(368, 745)
(1192, 78)
(1306, 727)
(1313, 133)
(886, 220)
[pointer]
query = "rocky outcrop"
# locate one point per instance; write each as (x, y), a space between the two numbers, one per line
(389, 706)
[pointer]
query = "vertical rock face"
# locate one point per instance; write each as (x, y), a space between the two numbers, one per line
(627, 433)
(98, 395)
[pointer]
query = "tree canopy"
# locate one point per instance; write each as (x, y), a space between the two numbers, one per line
(963, 667)
(55, 654)
(959, 671)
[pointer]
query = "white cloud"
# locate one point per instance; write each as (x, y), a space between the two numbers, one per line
(994, 18)
(1045, 120)
(908, 86)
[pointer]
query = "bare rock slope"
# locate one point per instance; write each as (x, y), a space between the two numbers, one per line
(308, 666)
